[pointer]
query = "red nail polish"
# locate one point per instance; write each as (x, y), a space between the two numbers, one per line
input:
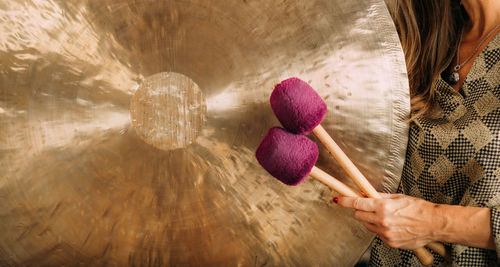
(335, 199)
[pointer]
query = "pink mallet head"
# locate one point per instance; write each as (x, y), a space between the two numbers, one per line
(287, 156)
(297, 106)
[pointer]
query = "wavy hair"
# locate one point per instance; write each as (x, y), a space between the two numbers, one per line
(429, 31)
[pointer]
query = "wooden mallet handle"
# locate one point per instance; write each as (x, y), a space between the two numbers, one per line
(440, 249)
(333, 183)
(423, 255)
(345, 162)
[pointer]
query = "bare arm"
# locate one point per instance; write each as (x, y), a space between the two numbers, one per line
(406, 222)
(470, 226)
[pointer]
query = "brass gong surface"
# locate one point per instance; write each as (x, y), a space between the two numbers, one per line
(128, 129)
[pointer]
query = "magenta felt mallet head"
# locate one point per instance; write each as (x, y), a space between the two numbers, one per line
(287, 156)
(297, 106)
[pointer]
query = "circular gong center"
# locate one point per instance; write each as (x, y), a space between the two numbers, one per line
(168, 110)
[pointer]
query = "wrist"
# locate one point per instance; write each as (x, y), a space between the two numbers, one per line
(441, 223)
(464, 225)
(434, 220)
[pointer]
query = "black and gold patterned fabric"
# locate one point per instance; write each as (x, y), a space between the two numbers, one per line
(454, 158)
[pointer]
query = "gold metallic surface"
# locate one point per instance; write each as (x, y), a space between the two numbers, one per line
(128, 129)
(168, 111)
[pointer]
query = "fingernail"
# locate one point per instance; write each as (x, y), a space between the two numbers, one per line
(335, 199)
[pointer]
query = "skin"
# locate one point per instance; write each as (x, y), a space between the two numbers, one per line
(484, 16)
(410, 223)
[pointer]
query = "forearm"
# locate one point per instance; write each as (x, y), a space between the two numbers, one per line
(409, 223)
(470, 226)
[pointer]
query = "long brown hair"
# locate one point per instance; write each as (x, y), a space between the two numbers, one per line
(429, 31)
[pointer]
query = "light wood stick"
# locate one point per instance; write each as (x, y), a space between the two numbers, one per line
(423, 255)
(345, 162)
(333, 183)
(440, 249)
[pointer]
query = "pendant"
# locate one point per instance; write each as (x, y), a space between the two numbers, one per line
(453, 78)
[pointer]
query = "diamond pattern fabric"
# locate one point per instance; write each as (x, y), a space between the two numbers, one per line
(454, 158)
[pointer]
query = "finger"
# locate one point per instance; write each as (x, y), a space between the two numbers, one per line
(390, 196)
(373, 228)
(390, 243)
(402, 244)
(364, 204)
(366, 216)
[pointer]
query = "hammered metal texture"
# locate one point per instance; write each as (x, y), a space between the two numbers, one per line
(128, 129)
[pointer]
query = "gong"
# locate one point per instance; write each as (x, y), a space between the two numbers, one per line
(128, 129)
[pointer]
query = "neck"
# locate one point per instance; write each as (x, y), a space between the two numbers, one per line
(484, 16)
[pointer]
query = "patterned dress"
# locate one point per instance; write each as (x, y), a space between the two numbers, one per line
(454, 158)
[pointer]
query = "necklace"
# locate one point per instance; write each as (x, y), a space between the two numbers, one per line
(454, 76)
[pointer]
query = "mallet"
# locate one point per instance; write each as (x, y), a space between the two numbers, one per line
(300, 110)
(291, 158)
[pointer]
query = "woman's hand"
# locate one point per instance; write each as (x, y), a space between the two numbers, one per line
(399, 220)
